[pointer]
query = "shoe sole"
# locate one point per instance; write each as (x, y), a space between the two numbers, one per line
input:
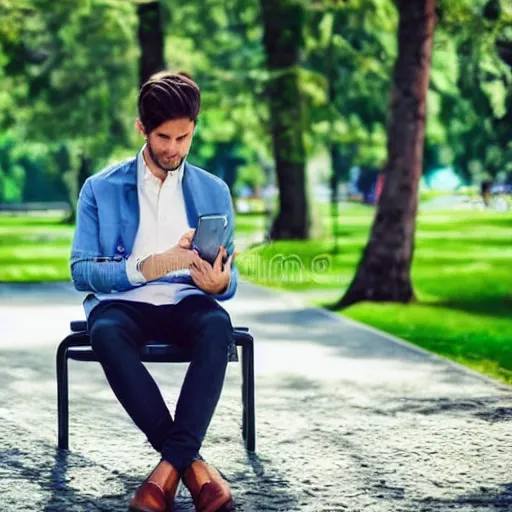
(133, 509)
(169, 509)
(227, 507)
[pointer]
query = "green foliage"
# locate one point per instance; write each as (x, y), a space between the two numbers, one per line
(84, 90)
(78, 62)
(69, 76)
(251, 175)
(476, 92)
(349, 52)
(219, 44)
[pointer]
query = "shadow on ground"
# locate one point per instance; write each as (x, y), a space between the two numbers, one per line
(487, 498)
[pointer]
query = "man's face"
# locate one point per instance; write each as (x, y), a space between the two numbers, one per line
(169, 143)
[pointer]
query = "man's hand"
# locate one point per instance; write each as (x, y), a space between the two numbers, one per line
(185, 241)
(158, 265)
(210, 279)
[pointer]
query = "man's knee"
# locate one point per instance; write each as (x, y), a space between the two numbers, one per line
(216, 320)
(105, 334)
(216, 329)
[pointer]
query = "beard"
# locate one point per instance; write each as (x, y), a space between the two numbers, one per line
(157, 162)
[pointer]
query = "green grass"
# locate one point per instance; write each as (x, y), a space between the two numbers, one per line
(461, 273)
(34, 249)
(462, 276)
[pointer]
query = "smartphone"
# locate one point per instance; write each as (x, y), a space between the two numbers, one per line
(209, 236)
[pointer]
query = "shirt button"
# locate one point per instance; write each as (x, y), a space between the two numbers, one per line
(120, 248)
(164, 219)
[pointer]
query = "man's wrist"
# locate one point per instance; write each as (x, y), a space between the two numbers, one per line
(138, 264)
(224, 288)
(134, 275)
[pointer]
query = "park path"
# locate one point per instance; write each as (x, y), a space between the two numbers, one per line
(348, 419)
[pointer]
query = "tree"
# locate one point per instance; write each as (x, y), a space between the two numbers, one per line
(383, 273)
(80, 80)
(282, 39)
(471, 85)
(151, 40)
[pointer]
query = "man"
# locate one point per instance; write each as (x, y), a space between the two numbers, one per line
(132, 251)
(485, 192)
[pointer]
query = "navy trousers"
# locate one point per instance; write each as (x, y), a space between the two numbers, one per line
(118, 329)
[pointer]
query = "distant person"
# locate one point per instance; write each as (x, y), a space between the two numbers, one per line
(485, 192)
(131, 251)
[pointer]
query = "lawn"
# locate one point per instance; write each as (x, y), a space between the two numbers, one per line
(462, 276)
(34, 249)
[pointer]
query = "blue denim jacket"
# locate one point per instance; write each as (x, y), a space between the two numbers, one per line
(108, 219)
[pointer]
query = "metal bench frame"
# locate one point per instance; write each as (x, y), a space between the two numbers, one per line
(77, 346)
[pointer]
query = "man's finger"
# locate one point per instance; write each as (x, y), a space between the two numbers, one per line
(204, 267)
(227, 265)
(196, 274)
(217, 265)
(186, 238)
(195, 266)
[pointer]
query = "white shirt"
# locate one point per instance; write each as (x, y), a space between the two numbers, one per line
(163, 219)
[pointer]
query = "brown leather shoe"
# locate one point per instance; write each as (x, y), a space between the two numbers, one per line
(157, 492)
(209, 490)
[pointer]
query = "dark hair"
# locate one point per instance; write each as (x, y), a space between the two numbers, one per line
(168, 96)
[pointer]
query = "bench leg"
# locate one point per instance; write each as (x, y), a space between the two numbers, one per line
(244, 394)
(62, 398)
(249, 415)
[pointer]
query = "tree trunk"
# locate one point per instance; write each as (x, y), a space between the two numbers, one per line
(282, 21)
(333, 147)
(151, 40)
(334, 181)
(383, 273)
(84, 171)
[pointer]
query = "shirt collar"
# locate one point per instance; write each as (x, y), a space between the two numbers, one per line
(145, 174)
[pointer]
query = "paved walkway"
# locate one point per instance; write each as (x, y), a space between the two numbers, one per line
(347, 419)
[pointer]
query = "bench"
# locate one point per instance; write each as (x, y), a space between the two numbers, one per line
(77, 346)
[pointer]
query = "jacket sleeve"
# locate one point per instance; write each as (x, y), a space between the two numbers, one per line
(230, 248)
(90, 269)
